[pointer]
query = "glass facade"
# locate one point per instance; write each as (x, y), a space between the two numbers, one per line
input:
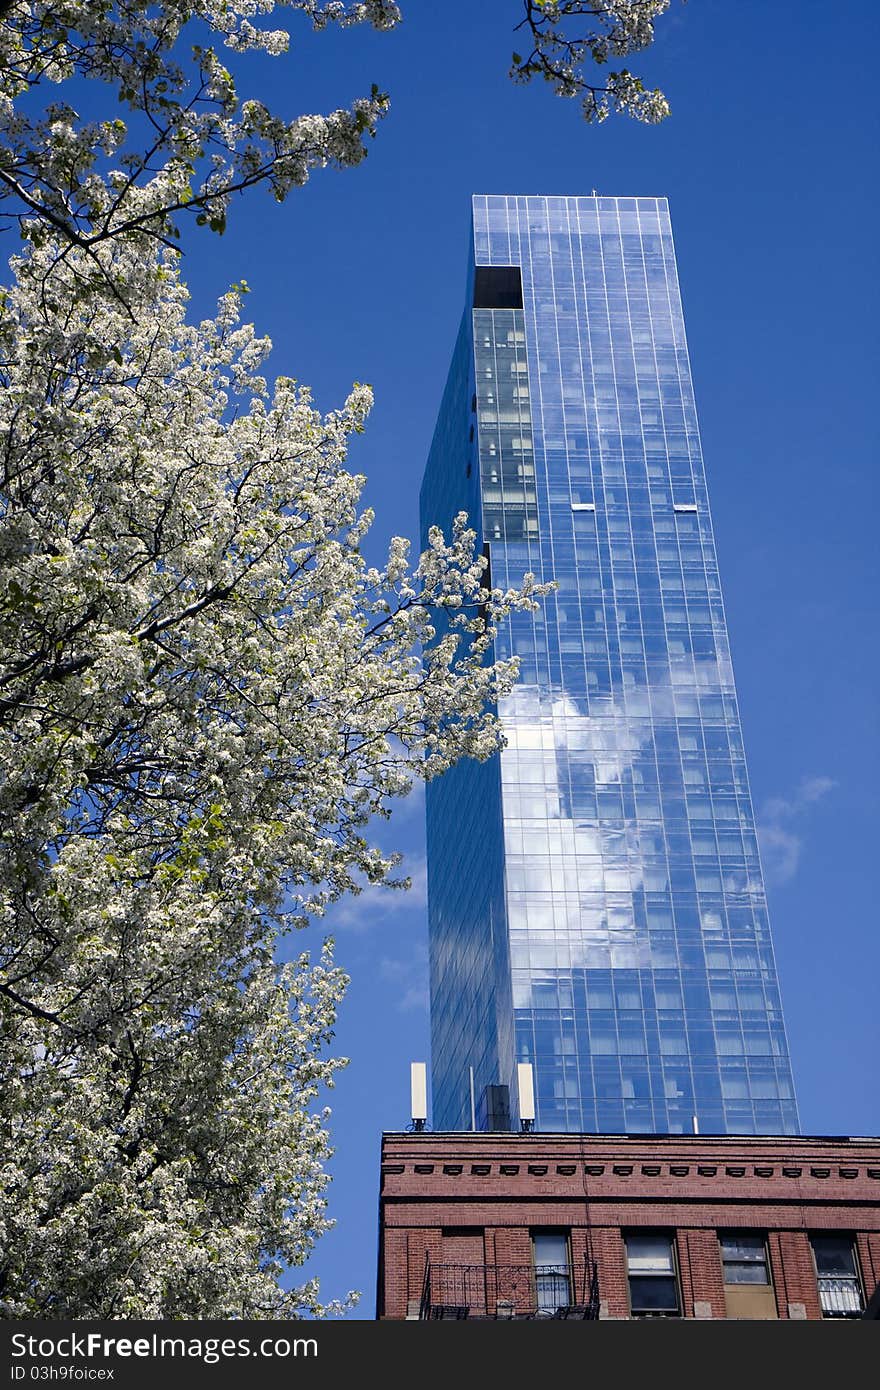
(596, 901)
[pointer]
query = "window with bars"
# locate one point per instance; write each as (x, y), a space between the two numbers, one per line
(837, 1273)
(552, 1270)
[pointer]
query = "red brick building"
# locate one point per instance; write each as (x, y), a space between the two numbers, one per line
(494, 1225)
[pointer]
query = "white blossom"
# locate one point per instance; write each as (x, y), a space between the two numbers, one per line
(567, 35)
(188, 95)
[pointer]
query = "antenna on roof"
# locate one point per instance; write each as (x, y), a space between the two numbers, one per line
(418, 1086)
(525, 1084)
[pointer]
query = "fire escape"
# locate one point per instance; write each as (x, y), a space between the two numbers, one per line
(509, 1292)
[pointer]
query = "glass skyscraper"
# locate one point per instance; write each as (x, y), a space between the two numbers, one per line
(596, 901)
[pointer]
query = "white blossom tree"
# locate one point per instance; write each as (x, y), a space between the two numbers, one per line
(206, 693)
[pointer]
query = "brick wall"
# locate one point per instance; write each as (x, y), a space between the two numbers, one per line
(490, 1191)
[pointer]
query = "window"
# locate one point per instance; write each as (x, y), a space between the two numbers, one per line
(840, 1290)
(552, 1270)
(653, 1284)
(744, 1258)
(498, 287)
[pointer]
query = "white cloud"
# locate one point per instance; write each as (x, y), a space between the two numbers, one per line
(410, 976)
(780, 852)
(363, 911)
(780, 844)
(411, 807)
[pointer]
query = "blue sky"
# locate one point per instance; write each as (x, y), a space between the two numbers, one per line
(768, 160)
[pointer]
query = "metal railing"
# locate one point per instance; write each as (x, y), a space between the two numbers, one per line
(509, 1291)
(840, 1296)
